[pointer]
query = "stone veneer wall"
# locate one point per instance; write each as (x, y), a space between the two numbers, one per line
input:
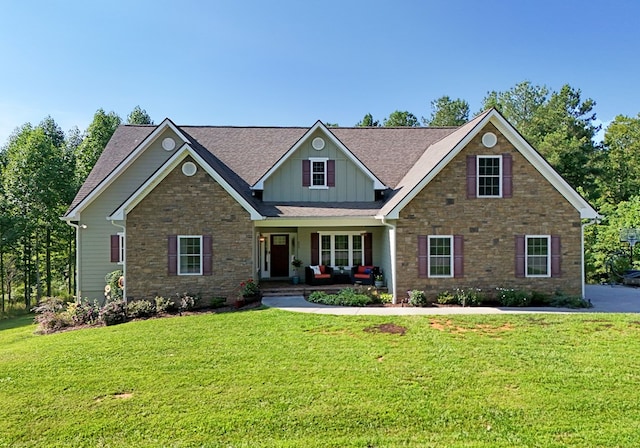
(489, 227)
(182, 205)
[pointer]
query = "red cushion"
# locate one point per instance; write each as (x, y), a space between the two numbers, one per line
(363, 269)
(322, 276)
(357, 275)
(323, 269)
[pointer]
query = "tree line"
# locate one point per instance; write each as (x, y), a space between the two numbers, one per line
(42, 169)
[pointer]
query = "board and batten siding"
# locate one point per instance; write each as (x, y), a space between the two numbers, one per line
(94, 247)
(351, 184)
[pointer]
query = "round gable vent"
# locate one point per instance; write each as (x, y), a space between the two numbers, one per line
(317, 143)
(489, 139)
(168, 144)
(189, 169)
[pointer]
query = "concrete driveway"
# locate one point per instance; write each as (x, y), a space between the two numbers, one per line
(605, 299)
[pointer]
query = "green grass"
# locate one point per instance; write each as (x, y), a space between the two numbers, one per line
(270, 378)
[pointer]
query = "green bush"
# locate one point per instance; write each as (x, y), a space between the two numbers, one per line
(563, 301)
(163, 305)
(112, 290)
(113, 313)
(346, 297)
(540, 299)
(385, 297)
(217, 302)
(187, 302)
(140, 308)
(513, 297)
(50, 315)
(469, 297)
(418, 298)
(83, 313)
(447, 298)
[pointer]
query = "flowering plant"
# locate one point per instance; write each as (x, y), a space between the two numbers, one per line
(249, 288)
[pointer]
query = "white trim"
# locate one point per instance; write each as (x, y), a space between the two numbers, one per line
(73, 214)
(377, 183)
(325, 185)
(164, 171)
(489, 196)
(526, 256)
(179, 254)
(451, 256)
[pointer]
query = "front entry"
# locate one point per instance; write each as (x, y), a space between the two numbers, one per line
(279, 256)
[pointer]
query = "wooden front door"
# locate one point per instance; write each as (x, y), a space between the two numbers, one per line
(279, 256)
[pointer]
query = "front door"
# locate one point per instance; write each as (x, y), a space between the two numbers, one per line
(279, 256)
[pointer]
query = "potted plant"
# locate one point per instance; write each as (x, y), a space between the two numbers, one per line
(249, 292)
(378, 281)
(296, 263)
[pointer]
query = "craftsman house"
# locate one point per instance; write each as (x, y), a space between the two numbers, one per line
(200, 209)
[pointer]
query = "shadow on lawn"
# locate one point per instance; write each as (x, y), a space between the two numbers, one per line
(15, 321)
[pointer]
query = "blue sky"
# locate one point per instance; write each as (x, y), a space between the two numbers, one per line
(286, 63)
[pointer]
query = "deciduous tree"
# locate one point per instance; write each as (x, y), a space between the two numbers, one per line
(448, 112)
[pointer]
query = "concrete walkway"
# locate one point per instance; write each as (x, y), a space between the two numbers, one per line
(605, 299)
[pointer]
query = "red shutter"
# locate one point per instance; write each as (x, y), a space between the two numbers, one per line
(331, 173)
(306, 173)
(207, 255)
(458, 256)
(556, 256)
(520, 255)
(422, 256)
(368, 249)
(471, 177)
(507, 176)
(115, 248)
(315, 249)
(172, 268)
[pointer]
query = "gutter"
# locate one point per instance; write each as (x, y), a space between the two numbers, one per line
(78, 255)
(584, 279)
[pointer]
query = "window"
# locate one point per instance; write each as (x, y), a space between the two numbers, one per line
(117, 248)
(344, 249)
(189, 255)
(318, 172)
(538, 256)
(489, 176)
(440, 256)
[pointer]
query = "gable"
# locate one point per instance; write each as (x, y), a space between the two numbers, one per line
(439, 155)
(289, 180)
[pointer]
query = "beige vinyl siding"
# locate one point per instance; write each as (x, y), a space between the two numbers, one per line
(285, 185)
(94, 248)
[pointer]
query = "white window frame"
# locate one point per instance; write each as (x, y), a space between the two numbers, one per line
(324, 161)
(333, 246)
(429, 256)
(526, 256)
(180, 254)
(121, 248)
(499, 195)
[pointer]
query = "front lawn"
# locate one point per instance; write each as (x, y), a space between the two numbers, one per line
(272, 378)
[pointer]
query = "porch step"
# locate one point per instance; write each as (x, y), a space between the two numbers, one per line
(285, 290)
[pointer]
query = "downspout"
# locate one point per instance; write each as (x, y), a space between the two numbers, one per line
(124, 259)
(584, 271)
(78, 252)
(392, 250)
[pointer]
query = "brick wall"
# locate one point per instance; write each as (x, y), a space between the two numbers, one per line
(489, 227)
(182, 205)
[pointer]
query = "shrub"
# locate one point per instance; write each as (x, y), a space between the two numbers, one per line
(113, 313)
(469, 297)
(417, 298)
(346, 297)
(446, 298)
(50, 316)
(140, 308)
(186, 302)
(163, 305)
(83, 313)
(249, 288)
(540, 299)
(562, 301)
(112, 290)
(218, 302)
(385, 297)
(513, 297)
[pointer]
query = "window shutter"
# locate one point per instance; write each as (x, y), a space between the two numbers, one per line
(368, 249)
(507, 176)
(172, 268)
(556, 256)
(520, 254)
(306, 173)
(115, 248)
(331, 173)
(471, 177)
(207, 255)
(458, 256)
(422, 256)
(315, 249)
